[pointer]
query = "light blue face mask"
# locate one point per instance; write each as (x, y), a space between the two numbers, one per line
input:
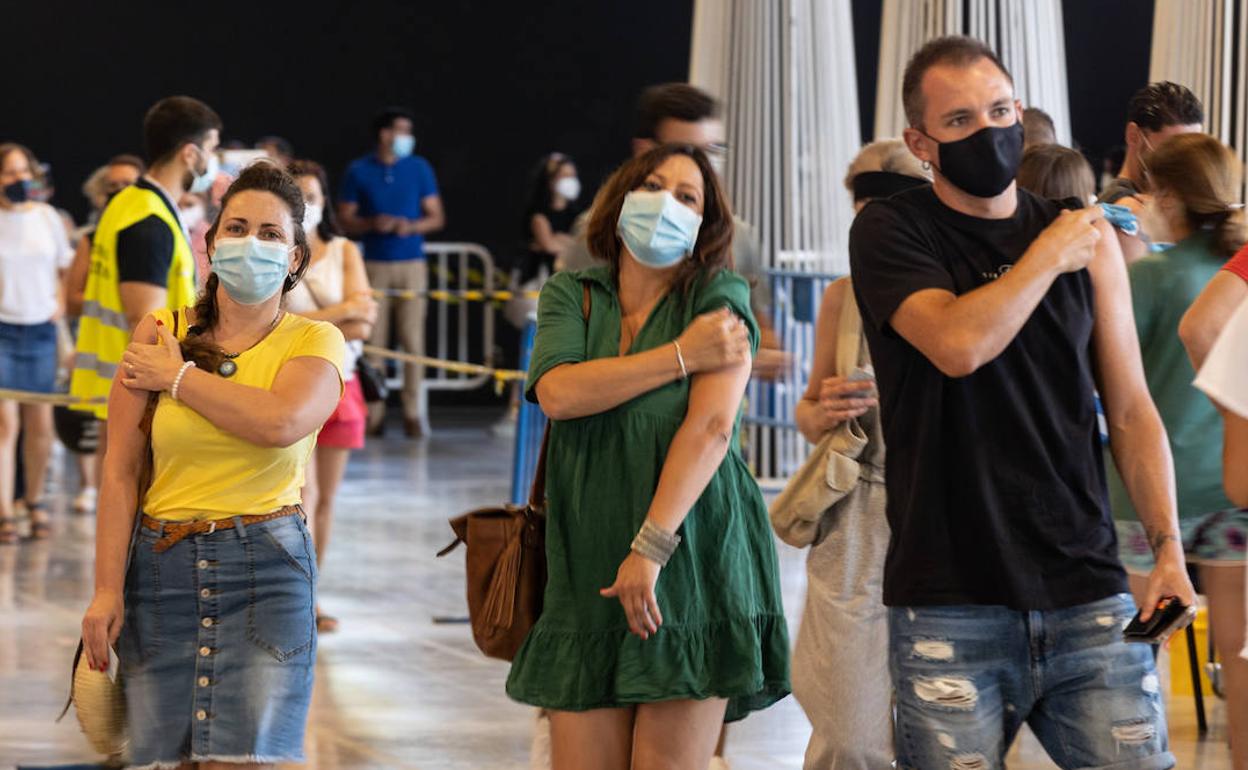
(658, 230)
(251, 270)
(402, 145)
(1121, 218)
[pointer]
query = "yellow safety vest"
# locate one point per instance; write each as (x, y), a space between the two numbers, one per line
(103, 331)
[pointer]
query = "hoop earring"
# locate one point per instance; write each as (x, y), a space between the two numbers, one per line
(927, 165)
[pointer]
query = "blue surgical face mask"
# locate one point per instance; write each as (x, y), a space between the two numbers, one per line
(202, 183)
(251, 270)
(402, 145)
(658, 230)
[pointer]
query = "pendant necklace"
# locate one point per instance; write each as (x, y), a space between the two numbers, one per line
(227, 367)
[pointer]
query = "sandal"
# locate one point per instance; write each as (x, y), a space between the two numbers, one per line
(326, 624)
(8, 531)
(40, 527)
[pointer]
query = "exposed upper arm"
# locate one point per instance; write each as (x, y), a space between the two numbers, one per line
(1205, 319)
(139, 299)
(431, 205)
(715, 399)
(826, 328)
(1115, 343)
(355, 277)
(126, 407)
(311, 387)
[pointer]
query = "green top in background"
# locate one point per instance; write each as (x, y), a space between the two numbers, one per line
(1163, 287)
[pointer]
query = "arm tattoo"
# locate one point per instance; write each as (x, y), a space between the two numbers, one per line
(1158, 539)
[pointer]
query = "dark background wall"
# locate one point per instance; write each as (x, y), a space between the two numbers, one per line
(495, 83)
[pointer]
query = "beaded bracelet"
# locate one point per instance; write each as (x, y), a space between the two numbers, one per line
(655, 543)
(173, 391)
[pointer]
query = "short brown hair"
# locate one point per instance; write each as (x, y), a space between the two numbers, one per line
(1056, 172)
(174, 122)
(958, 50)
(1038, 127)
(713, 250)
(1204, 174)
(672, 101)
(128, 160)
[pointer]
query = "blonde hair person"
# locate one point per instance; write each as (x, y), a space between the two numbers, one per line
(1194, 205)
(214, 618)
(844, 624)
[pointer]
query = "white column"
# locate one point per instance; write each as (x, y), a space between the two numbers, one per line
(1026, 34)
(1194, 44)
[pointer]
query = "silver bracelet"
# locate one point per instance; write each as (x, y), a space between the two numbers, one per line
(680, 359)
(655, 543)
(173, 391)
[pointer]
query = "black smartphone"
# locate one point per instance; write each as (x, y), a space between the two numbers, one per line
(1169, 616)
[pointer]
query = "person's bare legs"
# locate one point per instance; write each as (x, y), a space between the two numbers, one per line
(86, 470)
(1223, 586)
(600, 738)
(311, 493)
(37, 436)
(677, 735)
(331, 466)
(8, 463)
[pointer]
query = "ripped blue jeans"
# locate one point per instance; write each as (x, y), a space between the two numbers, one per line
(968, 677)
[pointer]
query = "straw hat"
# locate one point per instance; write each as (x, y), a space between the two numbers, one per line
(100, 704)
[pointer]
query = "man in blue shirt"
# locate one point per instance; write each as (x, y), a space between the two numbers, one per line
(390, 200)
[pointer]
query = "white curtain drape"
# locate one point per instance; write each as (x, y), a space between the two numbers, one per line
(1202, 44)
(1026, 34)
(784, 70)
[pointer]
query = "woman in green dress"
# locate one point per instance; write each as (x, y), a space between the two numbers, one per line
(662, 615)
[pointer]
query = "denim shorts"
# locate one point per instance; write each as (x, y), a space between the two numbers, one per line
(28, 357)
(218, 645)
(968, 677)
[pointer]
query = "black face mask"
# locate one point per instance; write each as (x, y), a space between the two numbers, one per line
(18, 192)
(984, 163)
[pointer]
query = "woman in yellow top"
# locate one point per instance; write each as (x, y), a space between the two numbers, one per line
(217, 632)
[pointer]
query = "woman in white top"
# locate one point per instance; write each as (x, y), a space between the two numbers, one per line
(34, 253)
(334, 289)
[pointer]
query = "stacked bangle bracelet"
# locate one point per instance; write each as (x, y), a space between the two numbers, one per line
(173, 391)
(680, 359)
(655, 543)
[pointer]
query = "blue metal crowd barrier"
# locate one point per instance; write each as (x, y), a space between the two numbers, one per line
(774, 446)
(530, 425)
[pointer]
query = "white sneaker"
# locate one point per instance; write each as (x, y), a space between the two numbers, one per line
(719, 763)
(85, 501)
(539, 752)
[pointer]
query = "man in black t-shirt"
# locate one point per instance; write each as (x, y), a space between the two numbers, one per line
(992, 317)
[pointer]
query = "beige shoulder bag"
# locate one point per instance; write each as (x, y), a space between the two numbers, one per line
(831, 472)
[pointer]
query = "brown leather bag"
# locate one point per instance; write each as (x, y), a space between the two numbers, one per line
(506, 567)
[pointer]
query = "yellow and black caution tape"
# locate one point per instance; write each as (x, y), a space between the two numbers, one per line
(501, 376)
(448, 295)
(55, 399)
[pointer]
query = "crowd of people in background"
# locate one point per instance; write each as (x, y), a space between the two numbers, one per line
(1057, 371)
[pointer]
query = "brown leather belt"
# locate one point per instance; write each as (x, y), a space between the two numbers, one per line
(173, 532)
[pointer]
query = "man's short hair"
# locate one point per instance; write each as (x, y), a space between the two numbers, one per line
(958, 50)
(672, 101)
(1038, 127)
(174, 121)
(386, 118)
(1159, 105)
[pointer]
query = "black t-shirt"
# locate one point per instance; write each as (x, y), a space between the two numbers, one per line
(996, 488)
(145, 248)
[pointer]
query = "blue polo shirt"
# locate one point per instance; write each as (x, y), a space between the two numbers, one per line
(396, 190)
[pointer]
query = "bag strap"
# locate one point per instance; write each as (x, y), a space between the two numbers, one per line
(848, 334)
(537, 492)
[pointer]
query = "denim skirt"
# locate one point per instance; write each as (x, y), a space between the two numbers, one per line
(218, 645)
(28, 357)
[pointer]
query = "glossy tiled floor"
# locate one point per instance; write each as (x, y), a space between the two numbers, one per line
(395, 688)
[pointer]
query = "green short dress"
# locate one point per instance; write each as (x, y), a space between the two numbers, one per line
(724, 633)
